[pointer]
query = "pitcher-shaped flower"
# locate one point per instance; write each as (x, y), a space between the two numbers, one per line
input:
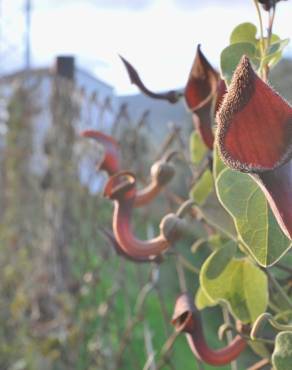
(254, 135)
(186, 318)
(111, 158)
(122, 189)
(203, 90)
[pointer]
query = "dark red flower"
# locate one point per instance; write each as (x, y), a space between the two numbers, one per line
(113, 242)
(202, 88)
(186, 318)
(268, 4)
(122, 189)
(111, 158)
(254, 135)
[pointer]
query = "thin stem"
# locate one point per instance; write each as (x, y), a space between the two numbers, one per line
(283, 314)
(272, 13)
(227, 321)
(260, 364)
(279, 288)
(261, 27)
(187, 264)
(263, 69)
(285, 268)
(181, 276)
(185, 207)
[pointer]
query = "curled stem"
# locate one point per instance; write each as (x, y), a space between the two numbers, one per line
(185, 208)
(262, 320)
(161, 173)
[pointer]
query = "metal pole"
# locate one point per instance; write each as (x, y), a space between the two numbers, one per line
(27, 36)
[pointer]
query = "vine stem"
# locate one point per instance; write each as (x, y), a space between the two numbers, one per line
(261, 27)
(227, 321)
(272, 13)
(279, 288)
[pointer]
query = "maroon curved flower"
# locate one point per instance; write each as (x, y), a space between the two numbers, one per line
(111, 159)
(112, 240)
(254, 135)
(122, 189)
(186, 318)
(201, 91)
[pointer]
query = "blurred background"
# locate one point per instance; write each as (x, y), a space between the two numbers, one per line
(67, 300)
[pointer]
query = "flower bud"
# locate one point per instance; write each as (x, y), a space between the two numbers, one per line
(172, 227)
(162, 172)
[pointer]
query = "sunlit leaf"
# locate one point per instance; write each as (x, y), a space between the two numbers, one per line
(282, 356)
(202, 300)
(202, 188)
(231, 56)
(198, 149)
(244, 32)
(213, 212)
(274, 52)
(237, 281)
(255, 222)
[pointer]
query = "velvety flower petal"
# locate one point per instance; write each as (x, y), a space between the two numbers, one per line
(221, 91)
(254, 131)
(202, 82)
(200, 92)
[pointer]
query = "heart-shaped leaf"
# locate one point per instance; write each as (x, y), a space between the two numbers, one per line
(213, 212)
(274, 52)
(237, 281)
(244, 32)
(254, 221)
(282, 356)
(202, 300)
(231, 56)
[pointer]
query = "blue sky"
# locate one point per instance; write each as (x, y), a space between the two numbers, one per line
(158, 36)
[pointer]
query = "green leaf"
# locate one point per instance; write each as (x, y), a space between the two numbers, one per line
(237, 281)
(202, 301)
(254, 221)
(244, 32)
(282, 356)
(274, 52)
(218, 165)
(198, 149)
(201, 190)
(230, 57)
(213, 212)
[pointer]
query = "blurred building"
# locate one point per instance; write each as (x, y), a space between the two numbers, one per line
(94, 99)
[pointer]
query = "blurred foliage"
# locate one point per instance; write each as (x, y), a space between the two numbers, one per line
(67, 300)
